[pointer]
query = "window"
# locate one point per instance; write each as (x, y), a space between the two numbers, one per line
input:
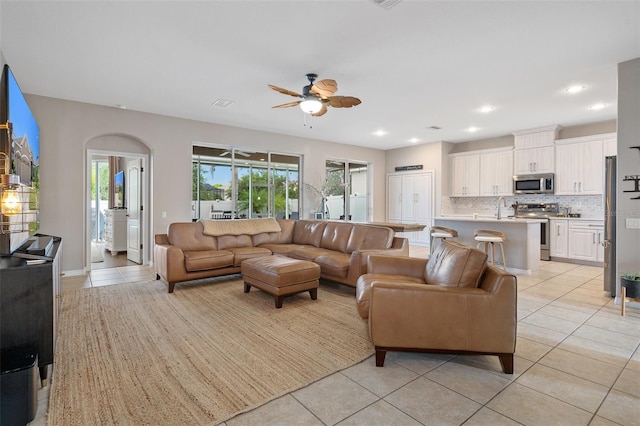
(232, 183)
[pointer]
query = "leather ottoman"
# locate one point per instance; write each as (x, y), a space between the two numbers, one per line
(280, 276)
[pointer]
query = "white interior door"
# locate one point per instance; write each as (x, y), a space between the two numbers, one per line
(133, 204)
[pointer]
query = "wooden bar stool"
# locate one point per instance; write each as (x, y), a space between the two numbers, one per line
(489, 237)
(440, 232)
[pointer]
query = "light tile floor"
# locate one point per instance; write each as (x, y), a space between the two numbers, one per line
(577, 363)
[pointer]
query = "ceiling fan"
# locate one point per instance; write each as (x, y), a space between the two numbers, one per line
(316, 97)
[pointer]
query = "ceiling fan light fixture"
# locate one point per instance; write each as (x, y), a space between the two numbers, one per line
(311, 105)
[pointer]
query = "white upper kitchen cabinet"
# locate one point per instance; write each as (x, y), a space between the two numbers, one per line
(610, 147)
(579, 168)
(465, 175)
(534, 160)
(534, 150)
(535, 138)
(496, 173)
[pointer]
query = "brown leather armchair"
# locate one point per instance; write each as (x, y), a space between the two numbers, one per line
(453, 303)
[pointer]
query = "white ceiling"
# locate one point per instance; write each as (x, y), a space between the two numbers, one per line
(418, 64)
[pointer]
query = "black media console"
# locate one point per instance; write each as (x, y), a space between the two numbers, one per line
(30, 298)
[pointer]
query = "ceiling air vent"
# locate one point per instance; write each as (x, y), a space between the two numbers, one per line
(434, 128)
(223, 103)
(386, 4)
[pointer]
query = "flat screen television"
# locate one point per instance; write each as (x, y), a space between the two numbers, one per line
(118, 190)
(20, 158)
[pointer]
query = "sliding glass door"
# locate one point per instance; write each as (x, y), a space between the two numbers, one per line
(346, 189)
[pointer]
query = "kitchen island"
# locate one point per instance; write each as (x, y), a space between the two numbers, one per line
(522, 248)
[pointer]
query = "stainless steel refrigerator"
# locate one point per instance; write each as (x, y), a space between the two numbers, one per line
(610, 278)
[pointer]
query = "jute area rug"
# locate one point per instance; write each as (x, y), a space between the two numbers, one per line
(132, 354)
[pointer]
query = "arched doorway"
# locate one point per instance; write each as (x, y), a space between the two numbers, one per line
(107, 211)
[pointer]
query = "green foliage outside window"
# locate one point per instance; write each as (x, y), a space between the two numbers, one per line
(259, 198)
(208, 192)
(103, 175)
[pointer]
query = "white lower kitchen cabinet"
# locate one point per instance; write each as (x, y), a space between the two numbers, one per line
(585, 240)
(558, 237)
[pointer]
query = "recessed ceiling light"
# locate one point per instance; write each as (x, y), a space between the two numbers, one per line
(598, 106)
(576, 88)
(414, 140)
(379, 133)
(486, 108)
(473, 129)
(121, 106)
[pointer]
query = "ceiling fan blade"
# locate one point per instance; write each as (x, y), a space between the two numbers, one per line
(322, 111)
(343, 101)
(325, 88)
(287, 105)
(243, 154)
(285, 91)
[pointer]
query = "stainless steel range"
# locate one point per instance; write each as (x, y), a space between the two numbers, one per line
(539, 211)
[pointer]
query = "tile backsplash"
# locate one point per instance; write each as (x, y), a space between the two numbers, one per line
(589, 206)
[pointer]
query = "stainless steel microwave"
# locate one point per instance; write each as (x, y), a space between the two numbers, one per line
(533, 184)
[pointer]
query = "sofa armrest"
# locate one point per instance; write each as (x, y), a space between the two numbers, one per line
(397, 265)
(410, 315)
(161, 239)
(401, 244)
(358, 264)
(169, 264)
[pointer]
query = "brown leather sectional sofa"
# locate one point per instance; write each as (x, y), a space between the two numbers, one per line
(193, 250)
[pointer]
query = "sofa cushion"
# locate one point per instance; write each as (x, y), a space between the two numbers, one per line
(189, 237)
(369, 237)
(284, 236)
(308, 253)
(307, 232)
(226, 242)
(201, 260)
(335, 236)
(282, 249)
(335, 264)
(244, 253)
(455, 264)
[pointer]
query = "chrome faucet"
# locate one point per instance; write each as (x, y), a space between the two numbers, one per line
(504, 202)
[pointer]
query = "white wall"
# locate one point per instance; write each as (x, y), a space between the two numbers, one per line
(66, 128)
(628, 240)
